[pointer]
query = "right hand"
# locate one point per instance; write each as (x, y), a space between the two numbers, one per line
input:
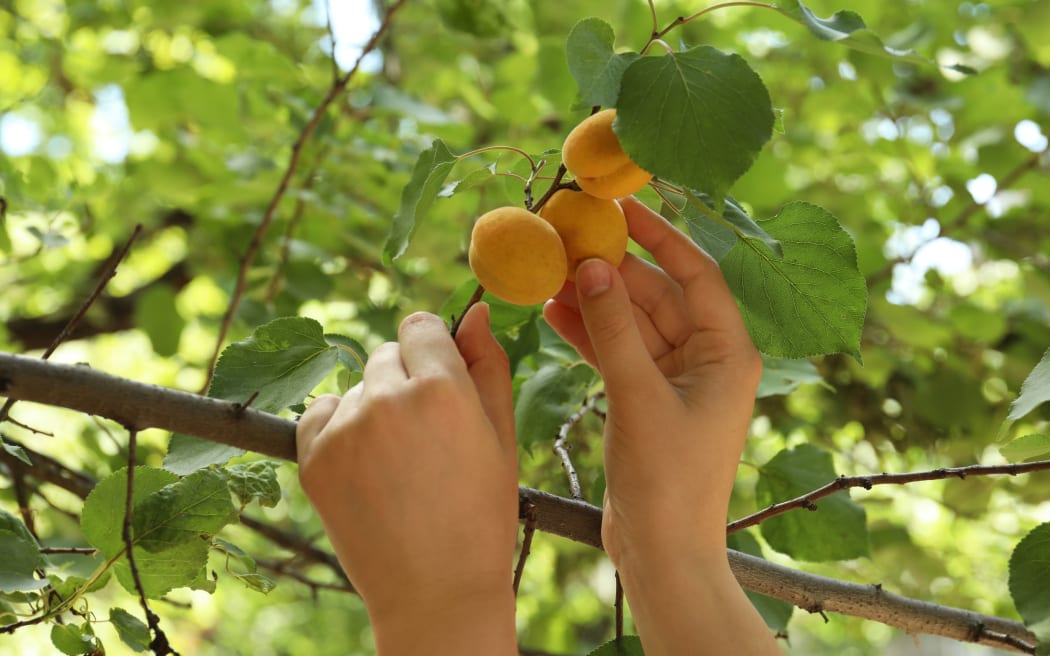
(680, 374)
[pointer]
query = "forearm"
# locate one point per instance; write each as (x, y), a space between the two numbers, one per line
(693, 606)
(482, 625)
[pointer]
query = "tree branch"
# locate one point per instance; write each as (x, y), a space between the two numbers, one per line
(868, 482)
(139, 405)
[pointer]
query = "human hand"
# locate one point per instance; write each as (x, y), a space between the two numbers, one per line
(414, 474)
(680, 375)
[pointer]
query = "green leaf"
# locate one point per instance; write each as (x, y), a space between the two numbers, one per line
(131, 629)
(187, 454)
(623, 646)
(710, 232)
(195, 506)
(351, 354)
(16, 451)
(595, 65)
(810, 302)
(163, 571)
(252, 579)
(276, 367)
(845, 27)
(428, 176)
(835, 531)
(1035, 390)
(781, 376)
(474, 179)
(156, 314)
(775, 612)
(547, 399)
(1030, 582)
(484, 18)
(71, 639)
(279, 364)
(706, 107)
(21, 558)
(101, 519)
(255, 481)
(1026, 447)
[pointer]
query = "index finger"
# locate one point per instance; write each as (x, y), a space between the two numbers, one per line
(709, 303)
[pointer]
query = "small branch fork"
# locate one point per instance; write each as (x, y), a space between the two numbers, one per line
(561, 447)
(867, 482)
(336, 89)
(136, 404)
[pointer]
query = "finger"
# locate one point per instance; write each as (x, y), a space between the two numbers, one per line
(568, 323)
(659, 297)
(709, 303)
(623, 358)
(314, 420)
(489, 368)
(427, 348)
(384, 369)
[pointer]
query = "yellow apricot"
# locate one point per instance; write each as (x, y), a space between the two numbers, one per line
(517, 256)
(593, 154)
(588, 226)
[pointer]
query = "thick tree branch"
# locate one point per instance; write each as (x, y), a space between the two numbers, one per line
(140, 406)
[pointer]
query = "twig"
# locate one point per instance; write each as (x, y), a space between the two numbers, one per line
(302, 548)
(337, 88)
(159, 643)
(479, 291)
(867, 482)
(293, 223)
(532, 179)
(618, 605)
(561, 447)
(107, 274)
(74, 551)
(556, 186)
(529, 514)
(331, 39)
(284, 569)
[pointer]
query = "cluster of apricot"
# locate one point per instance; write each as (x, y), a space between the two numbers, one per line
(525, 258)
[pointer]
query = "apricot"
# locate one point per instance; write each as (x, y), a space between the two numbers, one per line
(588, 227)
(517, 256)
(593, 154)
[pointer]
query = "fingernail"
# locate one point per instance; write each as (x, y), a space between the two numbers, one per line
(593, 278)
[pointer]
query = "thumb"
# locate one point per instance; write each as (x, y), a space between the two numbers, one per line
(623, 359)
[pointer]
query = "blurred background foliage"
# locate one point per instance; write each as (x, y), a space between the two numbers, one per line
(180, 116)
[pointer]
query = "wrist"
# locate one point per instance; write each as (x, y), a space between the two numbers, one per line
(449, 622)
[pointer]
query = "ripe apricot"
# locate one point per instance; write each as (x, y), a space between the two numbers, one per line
(588, 226)
(593, 154)
(517, 256)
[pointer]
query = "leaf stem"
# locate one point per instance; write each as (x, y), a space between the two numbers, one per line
(682, 20)
(513, 149)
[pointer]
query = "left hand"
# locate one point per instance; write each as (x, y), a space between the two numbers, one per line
(414, 472)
